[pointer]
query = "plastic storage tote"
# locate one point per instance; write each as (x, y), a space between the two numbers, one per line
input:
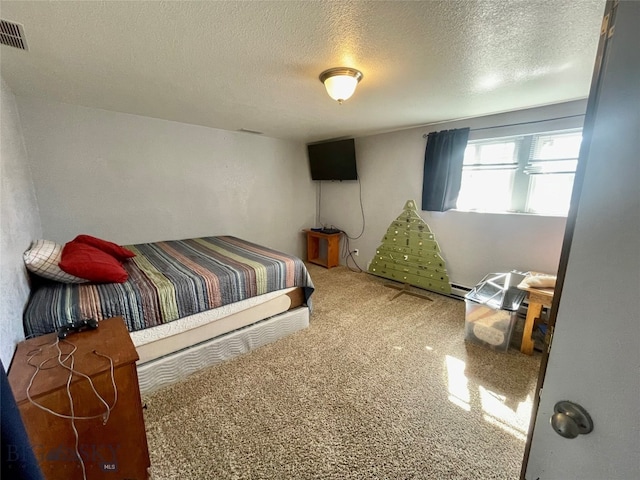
(492, 308)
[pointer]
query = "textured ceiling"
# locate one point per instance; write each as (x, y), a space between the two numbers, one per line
(255, 65)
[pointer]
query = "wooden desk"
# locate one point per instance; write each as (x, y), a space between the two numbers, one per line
(113, 450)
(538, 298)
(333, 248)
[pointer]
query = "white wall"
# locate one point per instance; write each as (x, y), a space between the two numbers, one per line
(390, 167)
(133, 179)
(20, 223)
(137, 179)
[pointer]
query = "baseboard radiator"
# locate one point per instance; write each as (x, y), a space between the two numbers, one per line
(459, 291)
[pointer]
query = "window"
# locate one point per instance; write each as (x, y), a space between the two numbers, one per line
(526, 174)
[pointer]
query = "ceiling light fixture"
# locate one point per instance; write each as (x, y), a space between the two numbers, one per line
(341, 82)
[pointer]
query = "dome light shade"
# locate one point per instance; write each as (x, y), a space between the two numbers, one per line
(341, 82)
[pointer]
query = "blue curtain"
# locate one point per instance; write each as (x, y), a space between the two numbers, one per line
(18, 460)
(443, 159)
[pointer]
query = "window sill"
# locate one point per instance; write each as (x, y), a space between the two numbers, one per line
(529, 214)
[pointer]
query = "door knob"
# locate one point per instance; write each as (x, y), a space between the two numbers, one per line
(570, 419)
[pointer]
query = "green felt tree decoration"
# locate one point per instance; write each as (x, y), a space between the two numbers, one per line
(410, 254)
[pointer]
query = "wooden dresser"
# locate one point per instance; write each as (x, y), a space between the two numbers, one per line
(115, 450)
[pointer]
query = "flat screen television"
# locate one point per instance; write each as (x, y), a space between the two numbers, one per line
(334, 160)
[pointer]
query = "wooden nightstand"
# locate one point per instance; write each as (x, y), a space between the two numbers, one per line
(333, 248)
(113, 450)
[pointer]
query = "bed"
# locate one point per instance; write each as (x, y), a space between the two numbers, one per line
(187, 303)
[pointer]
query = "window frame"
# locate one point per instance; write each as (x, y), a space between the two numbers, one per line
(522, 180)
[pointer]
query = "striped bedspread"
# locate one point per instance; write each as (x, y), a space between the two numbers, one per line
(170, 280)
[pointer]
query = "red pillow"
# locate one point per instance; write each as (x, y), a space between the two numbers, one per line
(116, 251)
(88, 262)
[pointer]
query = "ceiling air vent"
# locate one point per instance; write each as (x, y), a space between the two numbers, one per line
(12, 34)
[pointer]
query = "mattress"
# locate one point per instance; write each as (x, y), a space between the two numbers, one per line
(157, 342)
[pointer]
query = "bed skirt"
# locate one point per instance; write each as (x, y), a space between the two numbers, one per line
(174, 367)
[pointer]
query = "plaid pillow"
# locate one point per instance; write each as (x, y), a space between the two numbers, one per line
(43, 258)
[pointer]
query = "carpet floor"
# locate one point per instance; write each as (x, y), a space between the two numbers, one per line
(373, 389)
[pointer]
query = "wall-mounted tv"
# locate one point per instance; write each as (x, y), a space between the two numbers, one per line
(334, 160)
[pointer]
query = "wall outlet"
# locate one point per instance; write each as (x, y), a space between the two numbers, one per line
(356, 252)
